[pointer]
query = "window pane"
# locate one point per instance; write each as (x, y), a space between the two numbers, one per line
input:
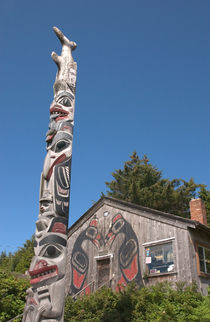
(207, 260)
(159, 258)
(201, 259)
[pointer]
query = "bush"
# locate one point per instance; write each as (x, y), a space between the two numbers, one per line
(12, 295)
(153, 304)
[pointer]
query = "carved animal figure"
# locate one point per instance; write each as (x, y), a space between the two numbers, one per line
(45, 298)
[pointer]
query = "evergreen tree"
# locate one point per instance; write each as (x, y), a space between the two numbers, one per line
(2, 256)
(20, 261)
(22, 257)
(205, 195)
(141, 183)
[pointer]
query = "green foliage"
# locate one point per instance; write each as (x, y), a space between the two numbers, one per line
(13, 283)
(155, 303)
(19, 261)
(205, 195)
(22, 258)
(142, 183)
(12, 295)
(103, 305)
(6, 261)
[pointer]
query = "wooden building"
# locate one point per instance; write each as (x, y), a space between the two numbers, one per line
(116, 242)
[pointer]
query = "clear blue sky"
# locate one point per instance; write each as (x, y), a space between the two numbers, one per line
(143, 84)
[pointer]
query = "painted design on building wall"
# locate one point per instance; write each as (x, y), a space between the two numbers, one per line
(128, 253)
(80, 259)
(45, 298)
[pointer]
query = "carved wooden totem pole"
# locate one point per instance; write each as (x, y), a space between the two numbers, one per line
(45, 298)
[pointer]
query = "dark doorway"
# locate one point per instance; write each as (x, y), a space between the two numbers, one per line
(103, 269)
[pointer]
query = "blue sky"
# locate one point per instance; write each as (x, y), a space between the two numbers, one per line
(143, 84)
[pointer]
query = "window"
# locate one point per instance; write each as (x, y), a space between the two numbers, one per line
(204, 259)
(159, 258)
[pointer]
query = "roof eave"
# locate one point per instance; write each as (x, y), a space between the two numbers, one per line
(110, 201)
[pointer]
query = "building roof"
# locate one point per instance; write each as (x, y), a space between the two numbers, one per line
(149, 213)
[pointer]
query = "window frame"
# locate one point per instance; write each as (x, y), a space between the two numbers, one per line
(157, 243)
(101, 258)
(203, 245)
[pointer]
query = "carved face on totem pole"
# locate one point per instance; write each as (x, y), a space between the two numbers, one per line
(45, 298)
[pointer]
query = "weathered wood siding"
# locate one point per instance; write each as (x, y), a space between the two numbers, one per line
(203, 239)
(102, 234)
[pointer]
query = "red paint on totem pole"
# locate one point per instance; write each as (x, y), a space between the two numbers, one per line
(67, 128)
(32, 301)
(78, 278)
(50, 137)
(40, 268)
(62, 114)
(61, 118)
(58, 109)
(59, 227)
(132, 270)
(60, 159)
(116, 218)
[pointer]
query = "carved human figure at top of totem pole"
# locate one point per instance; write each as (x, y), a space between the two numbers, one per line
(45, 298)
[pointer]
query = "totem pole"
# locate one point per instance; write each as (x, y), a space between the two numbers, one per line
(45, 298)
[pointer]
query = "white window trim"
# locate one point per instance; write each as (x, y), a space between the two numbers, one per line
(103, 256)
(159, 241)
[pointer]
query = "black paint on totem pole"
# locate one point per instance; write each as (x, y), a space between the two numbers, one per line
(61, 187)
(53, 239)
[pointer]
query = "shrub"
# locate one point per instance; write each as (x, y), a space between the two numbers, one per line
(12, 296)
(153, 304)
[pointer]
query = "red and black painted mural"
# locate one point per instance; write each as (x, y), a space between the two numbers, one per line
(127, 253)
(80, 259)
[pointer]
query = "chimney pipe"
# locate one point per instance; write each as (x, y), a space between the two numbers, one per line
(198, 211)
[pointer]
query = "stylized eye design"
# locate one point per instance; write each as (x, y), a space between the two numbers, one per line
(65, 101)
(91, 232)
(128, 251)
(51, 252)
(45, 204)
(80, 261)
(118, 225)
(61, 145)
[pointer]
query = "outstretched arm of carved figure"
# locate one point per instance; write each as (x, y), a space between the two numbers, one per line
(67, 47)
(65, 61)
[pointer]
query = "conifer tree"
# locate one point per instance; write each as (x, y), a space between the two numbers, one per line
(141, 183)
